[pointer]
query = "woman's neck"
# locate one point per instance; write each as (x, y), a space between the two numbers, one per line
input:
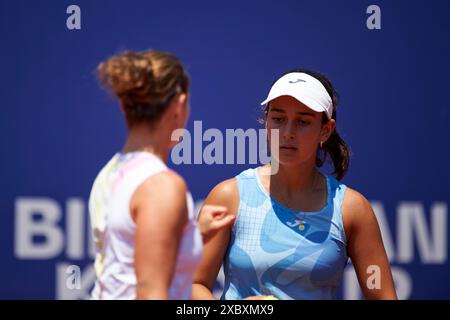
(143, 139)
(296, 179)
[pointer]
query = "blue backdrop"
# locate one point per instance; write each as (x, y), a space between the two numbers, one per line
(58, 128)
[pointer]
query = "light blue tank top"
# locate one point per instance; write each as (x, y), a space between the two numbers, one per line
(276, 251)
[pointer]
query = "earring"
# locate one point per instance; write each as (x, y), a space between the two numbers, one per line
(321, 144)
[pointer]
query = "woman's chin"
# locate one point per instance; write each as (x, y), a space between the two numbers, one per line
(289, 161)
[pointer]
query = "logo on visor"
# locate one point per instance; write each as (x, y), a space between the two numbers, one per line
(296, 81)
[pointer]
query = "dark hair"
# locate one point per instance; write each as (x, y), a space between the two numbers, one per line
(335, 146)
(145, 82)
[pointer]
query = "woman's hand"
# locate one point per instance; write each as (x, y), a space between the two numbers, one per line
(213, 218)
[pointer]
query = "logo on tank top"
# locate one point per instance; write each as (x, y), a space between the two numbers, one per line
(299, 223)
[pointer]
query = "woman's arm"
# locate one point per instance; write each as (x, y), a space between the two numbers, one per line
(365, 247)
(225, 194)
(159, 210)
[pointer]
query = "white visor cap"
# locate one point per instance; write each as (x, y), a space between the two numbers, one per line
(305, 88)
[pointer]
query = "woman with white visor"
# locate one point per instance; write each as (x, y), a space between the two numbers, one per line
(296, 227)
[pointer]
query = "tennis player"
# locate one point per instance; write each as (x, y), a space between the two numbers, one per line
(296, 229)
(148, 241)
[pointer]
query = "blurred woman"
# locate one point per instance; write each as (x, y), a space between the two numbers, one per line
(148, 242)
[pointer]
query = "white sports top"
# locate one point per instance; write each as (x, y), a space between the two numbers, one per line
(114, 229)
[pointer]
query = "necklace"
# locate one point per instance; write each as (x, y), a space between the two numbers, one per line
(299, 220)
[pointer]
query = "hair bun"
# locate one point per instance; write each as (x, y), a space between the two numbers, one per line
(127, 74)
(145, 82)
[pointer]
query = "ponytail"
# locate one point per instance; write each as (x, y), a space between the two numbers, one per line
(339, 153)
